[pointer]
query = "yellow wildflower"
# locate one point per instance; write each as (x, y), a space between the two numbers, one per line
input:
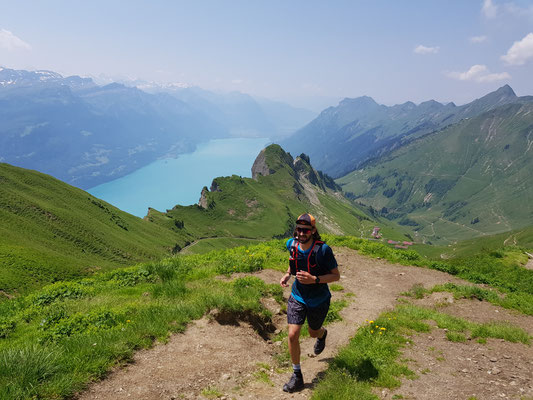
(380, 333)
(371, 331)
(382, 329)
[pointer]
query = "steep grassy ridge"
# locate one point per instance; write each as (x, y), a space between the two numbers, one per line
(468, 180)
(268, 205)
(52, 231)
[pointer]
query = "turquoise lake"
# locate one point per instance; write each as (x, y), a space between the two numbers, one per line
(168, 182)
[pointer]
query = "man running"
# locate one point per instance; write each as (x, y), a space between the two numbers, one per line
(314, 265)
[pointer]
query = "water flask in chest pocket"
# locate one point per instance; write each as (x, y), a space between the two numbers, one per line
(292, 262)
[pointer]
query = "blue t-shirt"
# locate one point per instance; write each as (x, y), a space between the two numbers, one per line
(313, 295)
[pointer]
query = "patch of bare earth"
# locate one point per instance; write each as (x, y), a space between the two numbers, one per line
(451, 370)
(228, 361)
(529, 264)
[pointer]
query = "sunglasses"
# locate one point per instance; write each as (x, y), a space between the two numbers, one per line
(303, 230)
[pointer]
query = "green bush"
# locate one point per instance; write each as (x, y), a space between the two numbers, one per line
(6, 327)
(58, 291)
(129, 276)
(61, 325)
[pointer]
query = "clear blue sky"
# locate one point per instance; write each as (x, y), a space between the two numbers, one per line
(301, 51)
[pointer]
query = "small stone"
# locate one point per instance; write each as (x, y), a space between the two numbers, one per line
(495, 371)
(226, 377)
(464, 370)
(512, 383)
(379, 285)
(493, 359)
(507, 356)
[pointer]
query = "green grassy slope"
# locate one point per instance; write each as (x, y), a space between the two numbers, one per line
(52, 231)
(469, 180)
(267, 207)
(53, 342)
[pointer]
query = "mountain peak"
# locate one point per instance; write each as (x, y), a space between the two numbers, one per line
(506, 90)
(271, 159)
(358, 101)
(501, 96)
(503, 93)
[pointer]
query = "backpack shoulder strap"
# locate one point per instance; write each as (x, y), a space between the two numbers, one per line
(314, 251)
(294, 247)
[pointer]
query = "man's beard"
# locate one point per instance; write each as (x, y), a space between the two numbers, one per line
(308, 239)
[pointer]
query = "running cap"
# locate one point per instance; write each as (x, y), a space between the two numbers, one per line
(306, 220)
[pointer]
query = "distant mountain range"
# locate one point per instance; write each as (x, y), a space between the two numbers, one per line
(342, 138)
(469, 179)
(241, 114)
(85, 134)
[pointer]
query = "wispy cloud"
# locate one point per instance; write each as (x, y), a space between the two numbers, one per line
(520, 51)
(11, 42)
(489, 9)
(420, 49)
(478, 39)
(479, 73)
(519, 11)
(237, 81)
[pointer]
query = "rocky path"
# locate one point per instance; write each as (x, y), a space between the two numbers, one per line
(211, 360)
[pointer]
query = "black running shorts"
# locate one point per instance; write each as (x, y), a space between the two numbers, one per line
(297, 312)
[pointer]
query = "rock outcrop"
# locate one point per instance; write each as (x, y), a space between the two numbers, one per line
(203, 198)
(260, 166)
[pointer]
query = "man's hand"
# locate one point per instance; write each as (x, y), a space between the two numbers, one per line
(305, 277)
(284, 280)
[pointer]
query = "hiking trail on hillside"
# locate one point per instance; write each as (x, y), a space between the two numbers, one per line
(227, 359)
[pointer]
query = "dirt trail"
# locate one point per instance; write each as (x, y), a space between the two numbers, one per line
(529, 264)
(211, 360)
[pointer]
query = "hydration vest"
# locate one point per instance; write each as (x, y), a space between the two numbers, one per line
(298, 262)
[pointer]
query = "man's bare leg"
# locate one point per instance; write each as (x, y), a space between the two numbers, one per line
(294, 343)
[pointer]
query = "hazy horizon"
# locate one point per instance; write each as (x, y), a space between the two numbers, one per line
(308, 54)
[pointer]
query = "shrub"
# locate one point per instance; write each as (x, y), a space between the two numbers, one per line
(6, 327)
(58, 291)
